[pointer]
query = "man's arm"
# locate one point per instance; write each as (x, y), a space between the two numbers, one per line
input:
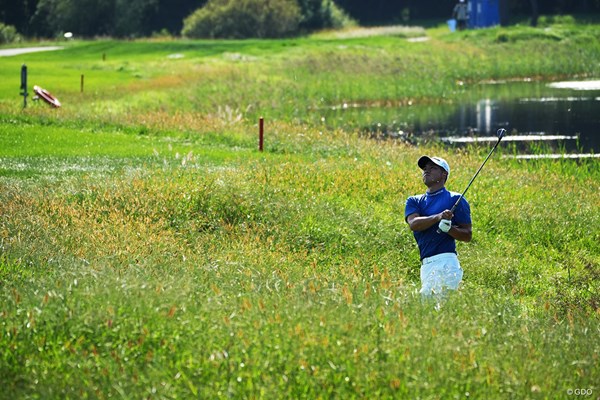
(462, 232)
(418, 223)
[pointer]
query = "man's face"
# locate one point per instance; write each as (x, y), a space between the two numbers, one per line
(433, 174)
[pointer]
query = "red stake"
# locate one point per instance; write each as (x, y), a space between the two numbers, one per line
(261, 133)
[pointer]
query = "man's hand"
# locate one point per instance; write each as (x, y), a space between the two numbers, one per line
(446, 214)
(418, 223)
(445, 225)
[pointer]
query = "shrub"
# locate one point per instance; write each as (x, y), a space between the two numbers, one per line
(339, 18)
(321, 14)
(528, 33)
(8, 34)
(547, 20)
(239, 19)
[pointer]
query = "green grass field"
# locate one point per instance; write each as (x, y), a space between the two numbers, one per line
(149, 250)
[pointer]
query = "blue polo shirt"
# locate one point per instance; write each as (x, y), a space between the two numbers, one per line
(429, 241)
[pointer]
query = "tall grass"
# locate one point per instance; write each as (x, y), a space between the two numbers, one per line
(148, 250)
(294, 276)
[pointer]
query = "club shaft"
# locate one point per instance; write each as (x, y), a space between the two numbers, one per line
(475, 176)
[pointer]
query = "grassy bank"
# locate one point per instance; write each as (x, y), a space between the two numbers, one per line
(148, 250)
(153, 83)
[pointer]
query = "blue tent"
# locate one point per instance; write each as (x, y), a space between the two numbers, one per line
(484, 13)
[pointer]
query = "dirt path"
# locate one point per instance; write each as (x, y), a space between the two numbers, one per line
(24, 50)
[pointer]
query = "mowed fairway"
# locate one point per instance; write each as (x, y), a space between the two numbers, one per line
(149, 250)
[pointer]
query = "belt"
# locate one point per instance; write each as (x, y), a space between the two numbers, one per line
(437, 257)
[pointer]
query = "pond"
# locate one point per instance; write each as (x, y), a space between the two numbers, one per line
(558, 117)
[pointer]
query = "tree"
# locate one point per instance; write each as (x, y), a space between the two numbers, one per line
(83, 17)
(170, 14)
(131, 17)
(120, 18)
(18, 13)
(534, 12)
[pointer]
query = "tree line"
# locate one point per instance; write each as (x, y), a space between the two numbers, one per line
(140, 18)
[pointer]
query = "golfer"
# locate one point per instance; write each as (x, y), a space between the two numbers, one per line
(428, 212)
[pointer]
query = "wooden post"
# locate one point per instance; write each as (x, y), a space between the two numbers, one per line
(24, 84)
(261, 133)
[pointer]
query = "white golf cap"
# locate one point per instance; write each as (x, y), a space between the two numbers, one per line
(440, 162)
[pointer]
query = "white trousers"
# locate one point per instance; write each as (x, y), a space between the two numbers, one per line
(440, 272)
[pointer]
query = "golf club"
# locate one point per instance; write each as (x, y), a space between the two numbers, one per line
(500, 134)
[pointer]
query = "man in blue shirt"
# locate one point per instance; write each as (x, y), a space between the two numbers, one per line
(428, 212)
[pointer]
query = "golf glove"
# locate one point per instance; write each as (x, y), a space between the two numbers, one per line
(445, 225)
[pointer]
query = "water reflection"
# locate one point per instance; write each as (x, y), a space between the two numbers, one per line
(560, 113)
(573, 122)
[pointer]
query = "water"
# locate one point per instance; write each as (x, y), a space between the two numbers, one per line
(563, 117)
